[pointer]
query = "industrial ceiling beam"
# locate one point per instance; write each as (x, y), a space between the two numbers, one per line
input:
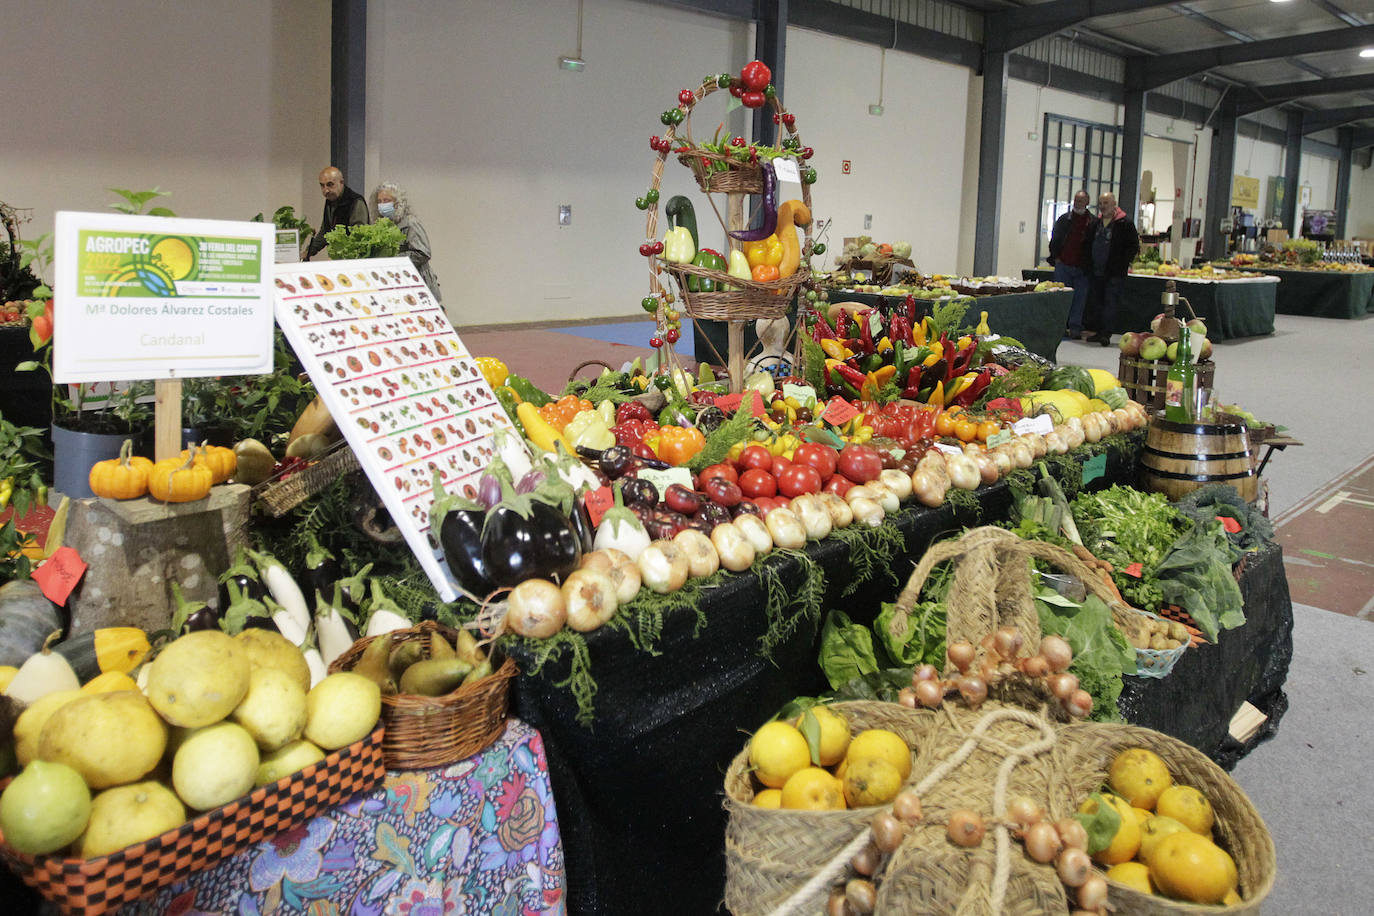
(1007, 30)
(1258, 98)
(1363, 137)
(1154, 72)
(1322, 119)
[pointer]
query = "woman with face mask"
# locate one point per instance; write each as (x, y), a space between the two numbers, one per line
(390, 201)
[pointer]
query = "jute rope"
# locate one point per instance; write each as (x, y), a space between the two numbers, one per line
(978, 735)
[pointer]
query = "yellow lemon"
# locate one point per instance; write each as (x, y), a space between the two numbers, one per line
(1189, 807)
(1154, 830)
(1139, 776)
(1126, 842)
(768, 798)
(841, 768)
(1141, 815)
(1135, 875)
(879, 742)
(1232, 898)
(813, 789)
(1188, 866)
(871, 781)
(776, 751)
(834, 734)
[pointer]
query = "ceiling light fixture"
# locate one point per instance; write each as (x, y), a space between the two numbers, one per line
(575, 63)
(1367, 52)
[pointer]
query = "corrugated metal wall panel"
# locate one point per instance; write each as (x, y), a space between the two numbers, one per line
(945, 18)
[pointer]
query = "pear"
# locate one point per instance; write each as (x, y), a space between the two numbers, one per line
(435, 677)
(375, 664)
(439, 647)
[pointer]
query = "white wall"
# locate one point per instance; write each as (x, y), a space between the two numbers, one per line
(1319, 173)
(225, 105)
(1359, 223)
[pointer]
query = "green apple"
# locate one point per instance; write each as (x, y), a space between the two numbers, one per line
(1153, 348)
(1171, 352)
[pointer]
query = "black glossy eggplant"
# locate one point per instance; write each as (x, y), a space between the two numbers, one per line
(192, 615)
(320, 572)
(581, 521)
(460, 535)
(524, 539)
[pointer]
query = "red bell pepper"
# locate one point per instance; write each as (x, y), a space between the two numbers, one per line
(899, 329)
(820, 329)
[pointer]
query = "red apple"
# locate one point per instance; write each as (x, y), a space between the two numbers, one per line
(1130, 343)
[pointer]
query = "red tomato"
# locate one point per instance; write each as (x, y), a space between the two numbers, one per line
(839, 485)
(755, 456)
(780, 464)
(725, 492)
(758, 482)
(681, 499)
(717, 470)
(766, 504)
(821, 457)
(860, 463)
(755, 75)
(799, 479)
(42, 328)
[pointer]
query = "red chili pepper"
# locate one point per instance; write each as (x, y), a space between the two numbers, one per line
(899, 329)
(865, 321)
(821, 331)
(974, 389)
(913, 383)
(842, 324)
(910, 310)
(851, 375)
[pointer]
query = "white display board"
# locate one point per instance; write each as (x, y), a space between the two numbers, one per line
(150, 297)
(400, 384)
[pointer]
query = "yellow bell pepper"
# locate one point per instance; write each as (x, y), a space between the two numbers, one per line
(874, 382)
(493, 370)
(765, 251)
(883, 346)
(920, 332)
(836, 350)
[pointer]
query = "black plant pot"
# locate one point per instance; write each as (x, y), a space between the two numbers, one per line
(74, 451)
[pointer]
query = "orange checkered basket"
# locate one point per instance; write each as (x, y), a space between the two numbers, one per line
(91, 887)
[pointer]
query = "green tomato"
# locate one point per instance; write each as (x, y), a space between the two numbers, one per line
(651, 195)
(809, 176)
(641, 203)
(677, 114)
(769, 92)
(667, 116)
(812, 295)
(649, 304)
(818, 248)
(724, 80)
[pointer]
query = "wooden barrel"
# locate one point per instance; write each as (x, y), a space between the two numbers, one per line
(1182, 457)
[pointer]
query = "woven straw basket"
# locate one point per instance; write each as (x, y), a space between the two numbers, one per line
(960, 756)
(425, 732)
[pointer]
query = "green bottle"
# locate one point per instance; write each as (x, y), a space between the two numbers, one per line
(1180, 387)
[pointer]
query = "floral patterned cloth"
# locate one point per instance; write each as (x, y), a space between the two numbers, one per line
(477, 837)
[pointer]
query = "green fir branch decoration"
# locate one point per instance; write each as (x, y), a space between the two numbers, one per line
(813, 365)
(964, 503)
(806, 604)
(719, 443)
(871, 549)
(579, 681)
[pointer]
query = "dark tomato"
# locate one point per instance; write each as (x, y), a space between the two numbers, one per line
(860, 463)
(766, 504)
(746, 507)
(722, 491)
(675, 520)
(799, 479)
(616, 461)
(908, 463)
(698, 523)
(681, 499)
(643, 451)
(639, 492)
(889, 459)
(714, 514)
(839, 485)
(755, 457)
(718, 470)
(821, 457)
(758, 482)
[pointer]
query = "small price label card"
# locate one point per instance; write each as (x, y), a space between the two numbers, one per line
(998, 438)
(875, 324)
(786, 170)
(1231, 525)
(1135, 570)
(59, 575)
(1041, 424)
(804, 394)
(839, 411)
(732, 402)
(949, 449)
(1094, 467)
(598, 503)
(663, 479)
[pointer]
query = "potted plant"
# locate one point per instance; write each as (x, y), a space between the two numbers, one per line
(374, 240)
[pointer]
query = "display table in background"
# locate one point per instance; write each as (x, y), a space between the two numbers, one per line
(1322, 293)
(639, 791)
(1230, 308)
(1036, 319)
(480, 836)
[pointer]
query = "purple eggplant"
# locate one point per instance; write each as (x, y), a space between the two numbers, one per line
(525, 539)
(528, 483)
(770, 209)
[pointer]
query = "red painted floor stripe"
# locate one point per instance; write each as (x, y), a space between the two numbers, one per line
(1328, 545)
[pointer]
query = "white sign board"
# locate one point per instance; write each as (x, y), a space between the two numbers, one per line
(152, 297)
(288, 246)
(400, 384)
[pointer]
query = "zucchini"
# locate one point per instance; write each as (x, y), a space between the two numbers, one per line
(527, 390)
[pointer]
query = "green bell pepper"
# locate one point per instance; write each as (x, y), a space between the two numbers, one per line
(711, 260)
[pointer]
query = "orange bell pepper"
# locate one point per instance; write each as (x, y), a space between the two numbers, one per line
(678, 445)
(764, 273)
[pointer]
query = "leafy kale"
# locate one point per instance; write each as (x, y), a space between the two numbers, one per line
(1125, 526)
(1196, 575)
(1220, 500)
(1101, 654)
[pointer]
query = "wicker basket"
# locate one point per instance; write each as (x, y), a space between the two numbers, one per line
(719, 174)
(425, 732)
(747, 300)
(281, 496)
(1157, 663)
(1144, 379)
(1239, 829)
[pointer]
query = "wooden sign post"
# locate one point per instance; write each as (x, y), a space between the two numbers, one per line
(167, 419)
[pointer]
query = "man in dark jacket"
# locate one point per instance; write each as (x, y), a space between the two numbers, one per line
(343, 206)
(1114, 247)
(1071, 256)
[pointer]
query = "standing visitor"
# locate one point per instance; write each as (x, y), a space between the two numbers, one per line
(1114, 247)
(343, 206)
(392, 203)
(1071, 256)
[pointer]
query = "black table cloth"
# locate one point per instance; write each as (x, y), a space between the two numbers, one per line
(1321, 293)
(639, 792)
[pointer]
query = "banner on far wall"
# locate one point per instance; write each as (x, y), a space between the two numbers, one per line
(1245, 192)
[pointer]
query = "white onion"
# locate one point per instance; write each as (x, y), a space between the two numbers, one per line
(1113, 421)
(1021, 454)
(1092, 427)
(860, 491)
(755, 531)
(735, 551)
(841, 516)
(885, 497)
(1001, 459)
(786, 528)
(815, 517)
(590, 598)
(1055, 444)
(702, 559)
(1073, 438)
(536, 609)
(625, 575)
(663, 566)
(933, 462)
(898, 482)
(963, 473)
(866, 512)
(1036, 443)
(987, 468)
(928, 490)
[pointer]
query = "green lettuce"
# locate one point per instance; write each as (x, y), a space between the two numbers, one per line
(1101, 655)
(846, 650)
(1196, 576)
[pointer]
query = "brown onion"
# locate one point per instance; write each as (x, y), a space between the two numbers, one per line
(966, 828)
(1035, 666)
(1072, 833)
(887, 831)
(1008, 641)
(1079, 704)
(907, 807)
(862, 895)
(1062, 685)
(907, 697)
(1043, 843)
(836, 904)
(929, 694)
(1057, 652)
(1074, 866)
(960, 655)
(1092, 894)
(924, 673)
(866, 860)
(1024, 812)
(974, 690)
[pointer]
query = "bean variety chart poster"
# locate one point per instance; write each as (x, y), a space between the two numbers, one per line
(401, 386)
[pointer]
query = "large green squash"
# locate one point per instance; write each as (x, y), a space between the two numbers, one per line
(26, 620)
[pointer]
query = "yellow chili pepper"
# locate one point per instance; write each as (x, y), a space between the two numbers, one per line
(937, 353)
(937, 397)
(836, 350)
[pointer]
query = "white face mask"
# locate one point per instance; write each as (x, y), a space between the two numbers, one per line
(386, 208)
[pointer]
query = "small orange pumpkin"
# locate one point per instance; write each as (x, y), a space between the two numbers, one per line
(221, 461)
(177, 480)
(125, 477)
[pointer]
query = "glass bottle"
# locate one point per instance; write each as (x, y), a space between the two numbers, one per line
(1180, 387)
